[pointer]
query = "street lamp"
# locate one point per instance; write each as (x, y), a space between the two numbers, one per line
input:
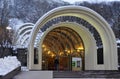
(9, 34)
(8, 28)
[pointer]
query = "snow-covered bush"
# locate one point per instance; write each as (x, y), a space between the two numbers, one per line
(7, 64)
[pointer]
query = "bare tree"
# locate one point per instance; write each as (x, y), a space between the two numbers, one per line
(5, 34)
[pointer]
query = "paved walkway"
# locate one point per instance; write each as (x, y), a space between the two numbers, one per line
(68, 75)
(41, 75)
(34, 75)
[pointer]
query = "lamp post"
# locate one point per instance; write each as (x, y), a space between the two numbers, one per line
(9, 35)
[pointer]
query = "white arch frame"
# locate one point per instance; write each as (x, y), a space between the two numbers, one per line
(23, 37)
(20, 39)
(25, 24)
(23, 42)
(27, 27)
(103, 28)
(20, 36)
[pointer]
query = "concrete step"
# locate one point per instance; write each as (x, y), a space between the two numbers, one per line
(86, 74)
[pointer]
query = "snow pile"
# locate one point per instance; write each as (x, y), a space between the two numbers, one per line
(7, 64)
(24, 68)
(118, 41)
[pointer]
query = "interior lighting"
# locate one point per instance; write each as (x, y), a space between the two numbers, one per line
(68, 51)
(52, 55)
(48, 52)
(61, 53)
(43, 45)
(80, 48)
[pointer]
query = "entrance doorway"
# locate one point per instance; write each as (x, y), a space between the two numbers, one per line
(65, 45)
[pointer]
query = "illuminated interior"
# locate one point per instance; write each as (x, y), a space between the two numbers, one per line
(62, 43)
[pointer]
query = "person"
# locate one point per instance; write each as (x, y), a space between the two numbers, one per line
(56, 63)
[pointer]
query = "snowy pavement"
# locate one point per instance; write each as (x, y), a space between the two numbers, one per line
(34, 75)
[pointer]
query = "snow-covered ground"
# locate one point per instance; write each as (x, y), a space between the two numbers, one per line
(7, 64)
(24, 68)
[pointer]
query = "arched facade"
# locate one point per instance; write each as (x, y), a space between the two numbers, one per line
(103, 28)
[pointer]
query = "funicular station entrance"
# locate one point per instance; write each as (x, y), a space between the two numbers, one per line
(69, 35)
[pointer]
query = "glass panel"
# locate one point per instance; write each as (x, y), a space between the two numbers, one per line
(100, 59)
(35, 56)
